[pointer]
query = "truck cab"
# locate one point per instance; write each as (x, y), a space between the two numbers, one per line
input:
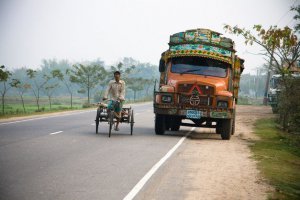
(199, 81)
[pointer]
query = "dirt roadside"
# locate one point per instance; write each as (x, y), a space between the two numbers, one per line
(205, 167)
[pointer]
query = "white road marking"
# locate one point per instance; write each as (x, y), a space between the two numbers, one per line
(144, 180)
(25, 120)
(55, 133)
(93, 124)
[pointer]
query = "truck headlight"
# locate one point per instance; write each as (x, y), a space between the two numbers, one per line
(222, 104)
(166, 99)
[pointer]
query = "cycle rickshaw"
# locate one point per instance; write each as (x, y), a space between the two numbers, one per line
(108, 115)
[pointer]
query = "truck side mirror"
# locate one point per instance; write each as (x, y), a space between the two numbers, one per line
(162, 65)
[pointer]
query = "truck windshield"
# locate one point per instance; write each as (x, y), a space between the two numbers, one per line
(275, 82)
(199, 66)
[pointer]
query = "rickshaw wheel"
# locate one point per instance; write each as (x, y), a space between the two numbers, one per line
(131, 121)
(97, 120)
(111, 122)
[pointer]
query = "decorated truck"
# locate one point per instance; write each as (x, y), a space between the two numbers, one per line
(199, 83)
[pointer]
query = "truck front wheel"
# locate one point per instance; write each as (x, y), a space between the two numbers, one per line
(160, 125)
(175, 124)
(219, 128)
(167, 123)
(233, 126)
(226, 129)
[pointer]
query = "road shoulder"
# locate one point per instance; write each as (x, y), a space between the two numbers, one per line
(206, 167)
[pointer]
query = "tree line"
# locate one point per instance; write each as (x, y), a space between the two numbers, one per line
(252, 85)
(90, 78)
(282, 51)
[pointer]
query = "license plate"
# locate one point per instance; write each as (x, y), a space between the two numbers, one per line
(193, 114)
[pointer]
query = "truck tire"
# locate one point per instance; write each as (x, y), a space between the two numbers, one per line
(233, 126)
(219, 128)
(233, 123)
(175, 125)
(160, 125)
(168, 123)
(226, 129)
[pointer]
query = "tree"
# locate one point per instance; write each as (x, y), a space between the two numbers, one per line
(38, 84)
(103, 83)
(135, 84)
(4, 77)
(282, 48)
(65, 78)
(281, 45)
(296, 17)
(149, 83)
(49, 91)
(87, 76)
(22, 88)
(50, 88)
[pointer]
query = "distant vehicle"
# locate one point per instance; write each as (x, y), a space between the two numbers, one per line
(274, 92)
(275, 89)
(199, 80)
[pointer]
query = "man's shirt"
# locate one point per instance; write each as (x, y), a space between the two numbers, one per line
(116, 90)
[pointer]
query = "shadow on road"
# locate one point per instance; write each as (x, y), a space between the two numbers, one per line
(204, 134)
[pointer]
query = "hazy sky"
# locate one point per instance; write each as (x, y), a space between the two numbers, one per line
(79, 30)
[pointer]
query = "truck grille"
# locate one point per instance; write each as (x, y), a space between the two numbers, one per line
(206, 90)
(195, 100)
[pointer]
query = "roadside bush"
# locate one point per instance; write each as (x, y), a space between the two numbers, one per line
(289, 106)
(19, 111)
(86, 105)
(62, 108)
(7, 107)
(42, 109)
(56, 103)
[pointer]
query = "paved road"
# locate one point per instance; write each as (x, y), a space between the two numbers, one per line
(61, 157)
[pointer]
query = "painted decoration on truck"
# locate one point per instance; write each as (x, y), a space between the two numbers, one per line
(190, 36)
(201, 50)
(236, 76)
(201, 36)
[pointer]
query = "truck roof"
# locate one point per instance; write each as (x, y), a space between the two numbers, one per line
(201, 42)
(202, 36)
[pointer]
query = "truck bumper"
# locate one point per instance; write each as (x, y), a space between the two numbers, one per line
(213, 113)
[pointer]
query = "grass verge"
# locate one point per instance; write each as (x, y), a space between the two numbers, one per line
(16, 110)
(278, 156)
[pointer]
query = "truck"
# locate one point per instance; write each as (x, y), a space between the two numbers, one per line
(199, 83)
(275, 88)
(274, 91)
